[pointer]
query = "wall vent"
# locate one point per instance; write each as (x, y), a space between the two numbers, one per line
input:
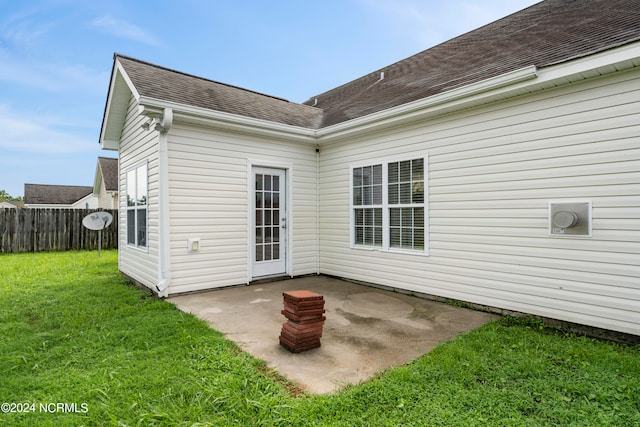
(570, 218)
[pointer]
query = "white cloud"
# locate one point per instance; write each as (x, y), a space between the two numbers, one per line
(123, 29)
(33, 133)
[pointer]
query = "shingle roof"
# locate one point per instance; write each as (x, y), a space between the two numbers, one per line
(109, 168)
(546, 33)
(54, 194)
(162, 83)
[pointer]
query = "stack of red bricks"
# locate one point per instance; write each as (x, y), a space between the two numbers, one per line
(305, 311)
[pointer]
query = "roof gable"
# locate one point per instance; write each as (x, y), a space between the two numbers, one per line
(546, 33)
(108, 170)
(161, 83)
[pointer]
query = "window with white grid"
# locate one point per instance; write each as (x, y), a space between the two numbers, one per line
(389, 208)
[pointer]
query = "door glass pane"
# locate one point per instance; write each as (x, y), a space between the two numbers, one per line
(267, 217)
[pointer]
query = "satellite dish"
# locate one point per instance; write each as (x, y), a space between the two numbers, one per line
(97, 220)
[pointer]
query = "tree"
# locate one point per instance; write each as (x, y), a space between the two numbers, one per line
(6, 196)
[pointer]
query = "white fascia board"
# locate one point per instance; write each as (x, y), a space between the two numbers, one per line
(609, 61)
(110, 145)
(114, 91)
(234, 122)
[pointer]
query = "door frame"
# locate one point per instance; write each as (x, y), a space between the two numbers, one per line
(287, 232)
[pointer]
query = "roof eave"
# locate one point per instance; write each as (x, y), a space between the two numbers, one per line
(153, 107)
(515, 83)
(454, 99)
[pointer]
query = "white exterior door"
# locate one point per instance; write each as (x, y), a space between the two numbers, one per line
(269, 222)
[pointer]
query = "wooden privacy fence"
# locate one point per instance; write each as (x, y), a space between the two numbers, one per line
(35, 230)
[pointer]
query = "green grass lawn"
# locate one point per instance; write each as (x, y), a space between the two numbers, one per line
(73, 332)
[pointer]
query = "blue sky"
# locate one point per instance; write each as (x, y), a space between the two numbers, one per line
(56, 58)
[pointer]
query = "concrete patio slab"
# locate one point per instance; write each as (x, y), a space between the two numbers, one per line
(367, 330)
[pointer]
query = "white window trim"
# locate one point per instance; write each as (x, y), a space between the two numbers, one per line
(385, 204)
(145, 248)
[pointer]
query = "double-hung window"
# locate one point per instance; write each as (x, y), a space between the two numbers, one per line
(367, 205)
(389, 209)
(137, 194)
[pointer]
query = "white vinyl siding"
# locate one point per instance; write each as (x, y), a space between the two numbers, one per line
(209, 187)
(492, 171)
(139, 146)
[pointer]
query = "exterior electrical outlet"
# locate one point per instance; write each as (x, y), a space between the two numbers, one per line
(193, 245)
(570, 218)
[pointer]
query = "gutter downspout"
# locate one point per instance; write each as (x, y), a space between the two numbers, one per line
(164, 264)
(317, 210)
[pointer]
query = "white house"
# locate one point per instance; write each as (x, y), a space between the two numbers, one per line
(500, 168)
(105, 184)
(11, 204)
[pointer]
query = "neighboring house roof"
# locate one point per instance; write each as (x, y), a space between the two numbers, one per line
(547, 33)
(108, 170)
(41, 194)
